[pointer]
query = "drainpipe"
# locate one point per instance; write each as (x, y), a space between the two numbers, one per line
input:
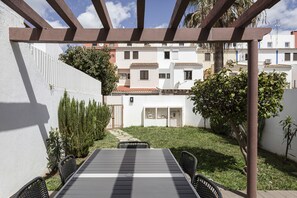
(276, 53)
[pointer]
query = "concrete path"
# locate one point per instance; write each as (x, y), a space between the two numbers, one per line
(123, 136)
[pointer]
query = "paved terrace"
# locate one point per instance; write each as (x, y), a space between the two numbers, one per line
(123, 136)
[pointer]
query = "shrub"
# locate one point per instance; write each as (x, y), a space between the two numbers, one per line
(290, 131)
(54, 150)
(75, 130)
(102, 119)
(220, 126)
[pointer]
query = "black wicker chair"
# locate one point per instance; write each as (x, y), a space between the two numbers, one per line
(36, 188)
(67, 167)
(206, 188)
(188, 163)
(133, 144)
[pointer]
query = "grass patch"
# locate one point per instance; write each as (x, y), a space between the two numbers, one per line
(219, 157)
(53, 182)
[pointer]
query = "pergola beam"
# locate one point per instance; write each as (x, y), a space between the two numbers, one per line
(102, 13)
(23, 9)
(178, 12)
(136, 35)
(246, 18)
(215, 14)
(140, 13)
(65, 13)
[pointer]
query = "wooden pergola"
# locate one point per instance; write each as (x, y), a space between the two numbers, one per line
(238, 31)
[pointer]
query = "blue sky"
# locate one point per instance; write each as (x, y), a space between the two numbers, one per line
(158, 13)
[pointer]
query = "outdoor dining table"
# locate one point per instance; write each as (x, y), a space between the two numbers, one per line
(143, 173)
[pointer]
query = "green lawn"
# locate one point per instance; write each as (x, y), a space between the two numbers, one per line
(53, 182)
(219, 157)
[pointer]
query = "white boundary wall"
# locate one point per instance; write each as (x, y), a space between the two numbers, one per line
(133, 112)
(273, 135)
(28, 107)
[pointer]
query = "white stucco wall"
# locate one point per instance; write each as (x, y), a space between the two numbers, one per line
(54, 50)
(133, 112)
(145, 55)
(153, 77)
(273, 135)
(28, 108)
(179, 81)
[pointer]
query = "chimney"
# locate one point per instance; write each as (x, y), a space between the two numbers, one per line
(295, 36)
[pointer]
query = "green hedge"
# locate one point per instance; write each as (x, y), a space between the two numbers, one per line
(80, 125)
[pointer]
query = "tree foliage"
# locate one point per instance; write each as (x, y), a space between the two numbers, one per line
(199, 9)
(93, 62)
(223, 96)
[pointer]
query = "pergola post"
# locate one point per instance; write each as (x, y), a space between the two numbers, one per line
(252, 113)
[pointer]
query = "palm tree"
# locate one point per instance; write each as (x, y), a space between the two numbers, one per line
(199, 10)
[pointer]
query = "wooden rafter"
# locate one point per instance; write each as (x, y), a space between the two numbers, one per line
(140, 13)
(23, 9)
(215, 14)
(246, 18)
(179, 10)
(102, 13)
(136, 35)
(65, 13)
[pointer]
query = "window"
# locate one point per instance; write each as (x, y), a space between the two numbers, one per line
(94, 44)
(287, 44)
(269, 44)
(129, 44)
(294, 56)
(135, 54)
(144, 75)
(287, 56)
(246, 57)
(147, 44)
(234, 44)
(207, 56)
(168, 75)
(164, 44)
(181, 44)
(123, 75)
(111, 44)
(166, 55)
(188, 75)
(128, 76)
(126, 55)
(175, 55)
(162, 75)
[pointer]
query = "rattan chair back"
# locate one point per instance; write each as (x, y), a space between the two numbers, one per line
(36, 188)
(133, 144)
(67, 167)
(188, 163)
(206, 188)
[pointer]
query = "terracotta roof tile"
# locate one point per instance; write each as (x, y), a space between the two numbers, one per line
(144, 65)
(124, 89)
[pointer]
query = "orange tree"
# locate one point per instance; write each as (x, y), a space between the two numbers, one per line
(225, 97)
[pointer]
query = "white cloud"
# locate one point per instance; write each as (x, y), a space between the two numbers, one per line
(41, 7)
(89, 19)
(56, 24)
(285, 13)
(164, 25)
(117, 12)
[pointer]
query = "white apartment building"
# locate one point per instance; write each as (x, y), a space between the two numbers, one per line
(276, 53)
(157, 67)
